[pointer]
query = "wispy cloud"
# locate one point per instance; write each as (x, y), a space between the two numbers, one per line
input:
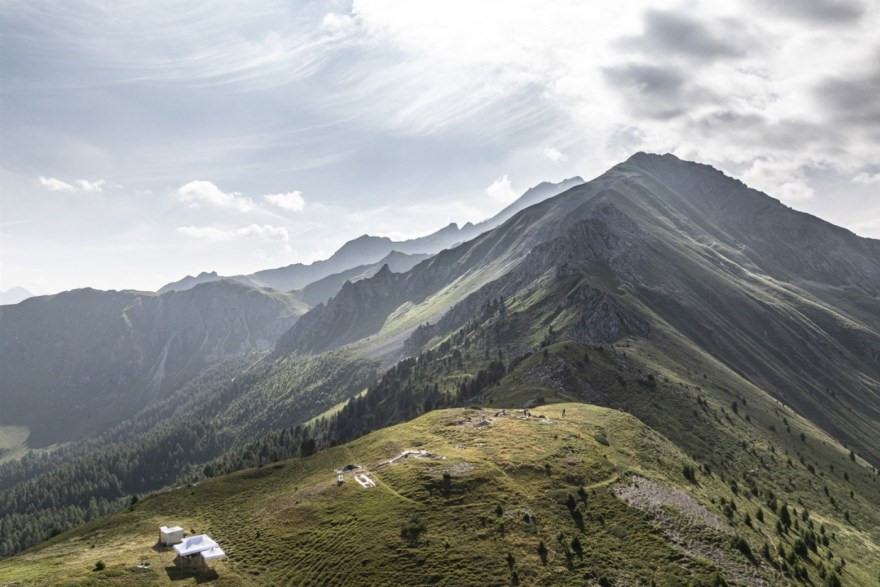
(196, 193)
(54, 184)
(254, 231)
(867, 178)
(291, 201)
(782, 178)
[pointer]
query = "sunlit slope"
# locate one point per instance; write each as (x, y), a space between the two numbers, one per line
(495, 487)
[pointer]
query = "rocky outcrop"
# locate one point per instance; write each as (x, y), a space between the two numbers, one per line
(607, 239)
(358, 310)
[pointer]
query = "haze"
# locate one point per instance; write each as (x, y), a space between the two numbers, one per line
(144, 141)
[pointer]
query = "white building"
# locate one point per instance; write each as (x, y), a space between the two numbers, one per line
(170, 536)
(194, 551)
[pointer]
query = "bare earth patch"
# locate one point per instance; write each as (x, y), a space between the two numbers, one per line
(688, 525)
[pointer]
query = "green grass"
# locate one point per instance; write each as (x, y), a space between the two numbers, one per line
(289, 523)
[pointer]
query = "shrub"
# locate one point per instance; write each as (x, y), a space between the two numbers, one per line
(742, 545)
(542, 552)
(412, 529)
(577, 547)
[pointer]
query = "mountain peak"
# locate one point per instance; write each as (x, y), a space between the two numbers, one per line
(14, 295)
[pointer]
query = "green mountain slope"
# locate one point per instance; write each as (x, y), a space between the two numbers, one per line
(606, 496)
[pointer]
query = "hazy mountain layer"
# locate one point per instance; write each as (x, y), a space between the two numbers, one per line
(14, 295)
(77, 362)
(369, 250)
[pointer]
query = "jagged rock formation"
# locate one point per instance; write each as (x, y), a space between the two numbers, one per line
(321, 291)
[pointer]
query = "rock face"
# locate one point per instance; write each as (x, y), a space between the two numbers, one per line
(89, 357)
(322, 290)
(358, 310)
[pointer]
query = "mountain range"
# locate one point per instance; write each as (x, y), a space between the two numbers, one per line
(370, 250)
(702, 363)
(13, 295)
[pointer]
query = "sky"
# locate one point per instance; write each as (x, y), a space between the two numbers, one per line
(144, 141)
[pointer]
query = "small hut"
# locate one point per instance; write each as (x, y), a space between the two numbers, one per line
(194, 552)
(170, 536)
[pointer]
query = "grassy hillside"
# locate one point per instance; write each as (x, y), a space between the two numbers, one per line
(499, 486)
(758, 496)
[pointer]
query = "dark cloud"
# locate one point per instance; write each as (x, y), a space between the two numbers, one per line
(654, 91)
(755, 130)
(853, 100)
(833, 12)
(670, 33)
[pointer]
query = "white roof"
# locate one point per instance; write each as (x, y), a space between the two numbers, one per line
(213, 553)
(196, 544)
(167, 530)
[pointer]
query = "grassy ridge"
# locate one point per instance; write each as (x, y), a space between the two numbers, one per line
(289, 523)
(507, 491)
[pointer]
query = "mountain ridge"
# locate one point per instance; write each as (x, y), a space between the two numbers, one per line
(697, 250)
(111, 352)
(368, 250)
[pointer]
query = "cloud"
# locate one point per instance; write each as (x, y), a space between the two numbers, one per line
(196, 193)
(867, 178)
(668, 33)
(341, 24)
(853, 99)
(833, 12)
(555, 155)
(291, 201)
(501, 190)
(654, 91)
(79, 185)
(780, 178)
(254, 231)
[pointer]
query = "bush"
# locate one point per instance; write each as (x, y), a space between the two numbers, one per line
(542, 552)
(412, 529)
(742, 545)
